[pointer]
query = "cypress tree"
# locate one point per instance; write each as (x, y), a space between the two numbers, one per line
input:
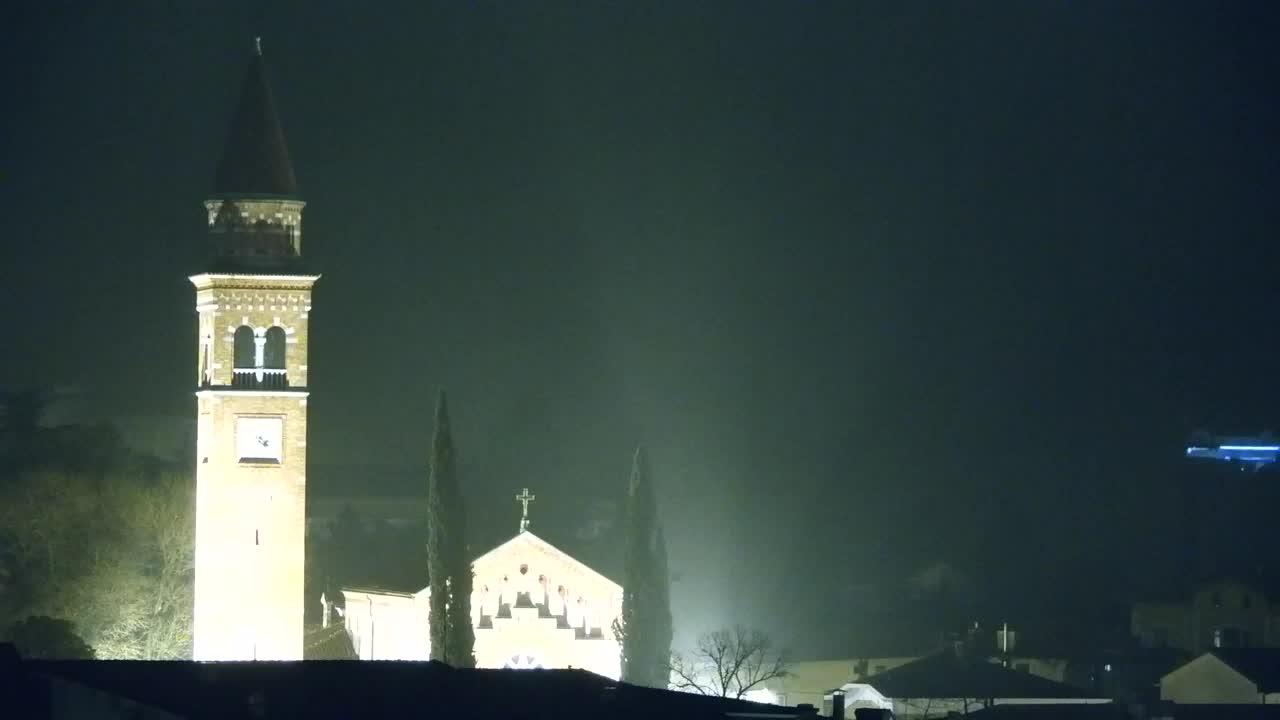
(452, 637)
(462, 639)
(662, 627)
(645, 626)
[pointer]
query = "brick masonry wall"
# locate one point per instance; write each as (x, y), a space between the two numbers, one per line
(250, 517)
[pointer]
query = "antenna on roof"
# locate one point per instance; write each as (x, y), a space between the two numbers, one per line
(257, 45)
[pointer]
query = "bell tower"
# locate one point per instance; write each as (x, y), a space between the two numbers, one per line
(253, 303)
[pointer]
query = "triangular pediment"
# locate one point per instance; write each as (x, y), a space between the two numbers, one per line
(524, 543)
(527, 541)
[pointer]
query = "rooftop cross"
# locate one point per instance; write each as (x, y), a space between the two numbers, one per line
(524, 498)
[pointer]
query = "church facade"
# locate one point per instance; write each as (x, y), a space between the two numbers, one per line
(533, 606)
(253, 301)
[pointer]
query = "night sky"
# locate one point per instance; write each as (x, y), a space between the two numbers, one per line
(880, 285)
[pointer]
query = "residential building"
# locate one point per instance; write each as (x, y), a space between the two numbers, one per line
(1222, 614)
(948, 681)
(1238, 676)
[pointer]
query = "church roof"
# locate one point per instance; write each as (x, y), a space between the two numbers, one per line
(381, 590)
(255, 160)
(331, 643)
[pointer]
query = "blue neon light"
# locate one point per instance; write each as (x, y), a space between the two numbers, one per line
(1253, 455)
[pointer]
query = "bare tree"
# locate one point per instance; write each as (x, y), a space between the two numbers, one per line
(729, 662)
(111, 554)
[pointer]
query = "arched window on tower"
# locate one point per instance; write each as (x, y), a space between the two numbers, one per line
(245, 357)
(274, 355)
(206, 361)
(244, 347)
(273, 358)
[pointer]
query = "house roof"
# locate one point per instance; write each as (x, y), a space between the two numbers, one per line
(1056, 711)
(1218, 712)
(947, 675)
(331, 643)
(255, 160)
(385, 689)
(1260, 665)
(383, 590)
(1114, 711)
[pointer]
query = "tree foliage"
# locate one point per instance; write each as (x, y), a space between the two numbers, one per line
(448, 564)
(46, 638)
(644, 628)
(110, 553)
(729, 662)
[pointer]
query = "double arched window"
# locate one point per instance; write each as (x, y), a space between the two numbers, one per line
(259, 360)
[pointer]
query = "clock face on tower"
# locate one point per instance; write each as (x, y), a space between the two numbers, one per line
(259, 439)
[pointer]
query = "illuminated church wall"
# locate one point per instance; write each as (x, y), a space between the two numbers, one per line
(532, 606)
(388, 625)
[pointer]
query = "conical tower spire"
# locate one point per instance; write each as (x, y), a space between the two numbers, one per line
(255, 214)
(255, 160)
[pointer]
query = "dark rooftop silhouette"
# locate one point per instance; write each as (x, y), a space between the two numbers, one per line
(1119, 711)
(946, 675)
(354, 689)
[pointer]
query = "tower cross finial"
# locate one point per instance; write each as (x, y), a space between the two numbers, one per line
(524, 498)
